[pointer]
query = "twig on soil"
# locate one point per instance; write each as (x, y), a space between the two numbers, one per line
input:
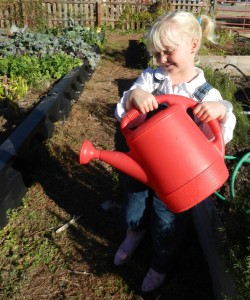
(79, 272)
(71, 222)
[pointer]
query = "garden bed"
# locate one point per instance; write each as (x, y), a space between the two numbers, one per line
(21, 143)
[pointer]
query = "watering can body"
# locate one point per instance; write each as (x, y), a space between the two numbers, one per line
(169, 153)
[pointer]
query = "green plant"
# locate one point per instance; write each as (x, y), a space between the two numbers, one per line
(16, 89)
(57, 65)
(13, 89)
(2, 92)
(227, 43)
(91, 36)
(36, 70)
(4, 66)
(71, 42)
(24, 66)
(20, 73)
(227, 87)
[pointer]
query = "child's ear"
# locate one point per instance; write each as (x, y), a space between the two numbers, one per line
(195, 45)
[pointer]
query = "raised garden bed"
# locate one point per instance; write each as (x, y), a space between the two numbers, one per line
(234, 64)
(24, 142)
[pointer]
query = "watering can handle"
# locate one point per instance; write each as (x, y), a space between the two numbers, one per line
(185, 103)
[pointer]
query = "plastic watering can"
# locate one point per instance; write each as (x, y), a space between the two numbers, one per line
(169, 153)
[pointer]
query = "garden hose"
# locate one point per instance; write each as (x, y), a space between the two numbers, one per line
(244, 159)
(219, 196)
(239, 70)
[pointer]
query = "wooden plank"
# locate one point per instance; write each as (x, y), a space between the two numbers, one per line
(49, 10)
(75, 11)
(81, 14)
(54, 13)
(60, 17)
(219, 62)
(92, 20)
(65, 10)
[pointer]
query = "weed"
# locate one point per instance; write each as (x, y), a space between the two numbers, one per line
(25, 246)
(227, 87)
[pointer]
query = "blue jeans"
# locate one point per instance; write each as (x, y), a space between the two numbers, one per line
(144, 210)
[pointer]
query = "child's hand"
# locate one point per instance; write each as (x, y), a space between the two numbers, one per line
(210, 110)
(141, 100)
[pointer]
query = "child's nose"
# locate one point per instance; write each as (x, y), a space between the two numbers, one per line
(163, 57)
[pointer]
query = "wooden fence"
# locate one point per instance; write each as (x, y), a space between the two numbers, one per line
(61, 12)
(234, 14)
(110, 13)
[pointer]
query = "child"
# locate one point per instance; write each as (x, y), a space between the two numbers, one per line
(174, 41)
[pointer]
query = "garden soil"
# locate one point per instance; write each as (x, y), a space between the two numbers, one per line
(79, 265)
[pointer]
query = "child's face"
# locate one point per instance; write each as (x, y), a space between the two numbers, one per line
(176, 58)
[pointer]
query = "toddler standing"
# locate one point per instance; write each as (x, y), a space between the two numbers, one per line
(174, 41)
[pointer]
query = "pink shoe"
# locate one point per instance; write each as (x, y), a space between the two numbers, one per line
(128, 246)
(152, 281)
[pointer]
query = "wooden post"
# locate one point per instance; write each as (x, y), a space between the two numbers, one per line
(99, 13)
(24, 14)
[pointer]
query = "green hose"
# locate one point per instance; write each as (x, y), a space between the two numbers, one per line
(244, 159)
(218, 195)
(236, 158)
(236, 169)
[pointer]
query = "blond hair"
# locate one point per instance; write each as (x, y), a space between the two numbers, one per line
(173, 28)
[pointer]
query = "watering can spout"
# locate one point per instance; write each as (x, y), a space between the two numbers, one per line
(119, 160)
(88, 152)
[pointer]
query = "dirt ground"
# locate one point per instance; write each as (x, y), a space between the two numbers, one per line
(61, 188)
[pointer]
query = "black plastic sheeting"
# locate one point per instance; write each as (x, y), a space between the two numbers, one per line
(23, 144)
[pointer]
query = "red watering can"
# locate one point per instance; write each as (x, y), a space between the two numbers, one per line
(169, 153)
